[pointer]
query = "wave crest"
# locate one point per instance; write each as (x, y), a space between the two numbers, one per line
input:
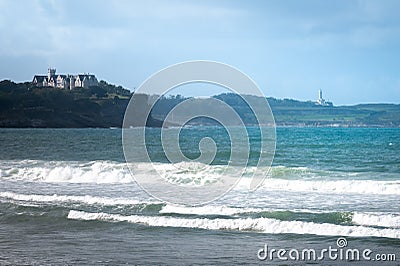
(263, 225)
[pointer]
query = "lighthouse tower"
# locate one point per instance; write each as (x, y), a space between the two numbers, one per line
(320, 101)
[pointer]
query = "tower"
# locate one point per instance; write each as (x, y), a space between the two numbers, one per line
(321, 101)
(51, 72)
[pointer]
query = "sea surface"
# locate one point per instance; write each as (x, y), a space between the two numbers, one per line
(67, 197)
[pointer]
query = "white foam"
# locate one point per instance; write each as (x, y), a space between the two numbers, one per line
(69, 172)
(264, 225)
(192, 173)
(335, 186)
(107, 201)
(358, 218)
(219, 210)
(187, 173)
(376, 219)
(203, 210)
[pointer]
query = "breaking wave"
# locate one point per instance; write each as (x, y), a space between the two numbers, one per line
(263, 225)
(281, 178)
(377, 219)
(221, 217)
(90, 200)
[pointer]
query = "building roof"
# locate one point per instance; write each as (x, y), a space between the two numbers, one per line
(87, 76)
(51, 80)
(39, 78)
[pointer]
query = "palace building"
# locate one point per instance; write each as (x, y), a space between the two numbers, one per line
(64, 81)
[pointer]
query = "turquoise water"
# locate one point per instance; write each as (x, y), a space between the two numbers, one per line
(67, 197)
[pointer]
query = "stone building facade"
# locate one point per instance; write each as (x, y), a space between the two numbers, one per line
(64, 81)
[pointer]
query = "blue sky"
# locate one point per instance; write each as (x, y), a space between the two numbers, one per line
(350, 49)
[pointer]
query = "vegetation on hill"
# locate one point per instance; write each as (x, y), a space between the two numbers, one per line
(24, 105)
(288, 112)
(309, 114)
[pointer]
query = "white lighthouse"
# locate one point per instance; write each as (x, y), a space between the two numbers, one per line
(321, 100)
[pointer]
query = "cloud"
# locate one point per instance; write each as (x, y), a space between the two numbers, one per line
(54, 27)
(282, 43)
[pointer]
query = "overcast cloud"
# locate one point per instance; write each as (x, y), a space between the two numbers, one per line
(350, 49)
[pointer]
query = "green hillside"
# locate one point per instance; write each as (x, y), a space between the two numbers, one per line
(288, 112)
(23, 105)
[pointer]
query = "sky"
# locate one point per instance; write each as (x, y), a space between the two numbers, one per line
(350, 49)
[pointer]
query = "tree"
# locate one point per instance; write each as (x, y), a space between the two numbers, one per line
(99, 92)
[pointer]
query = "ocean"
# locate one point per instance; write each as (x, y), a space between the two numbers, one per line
(68, 197)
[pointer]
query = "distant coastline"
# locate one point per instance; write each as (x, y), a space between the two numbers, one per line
(24, 105)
